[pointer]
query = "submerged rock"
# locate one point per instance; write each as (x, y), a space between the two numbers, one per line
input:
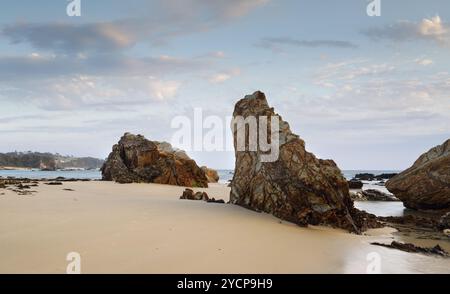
(411, 248)
(385, 176)
(365, 177)
(297, 187)
(426, 184)
(135, 159)
(355, 184)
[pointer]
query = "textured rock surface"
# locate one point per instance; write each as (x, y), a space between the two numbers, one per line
(425, 185)
(211, 175)
(135, 159)
(297, 187)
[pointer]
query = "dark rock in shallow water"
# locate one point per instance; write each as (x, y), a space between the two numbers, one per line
(385, 176)
(365, 177)
(426, 184)
(355, 184)
(136, 159)
(375, 195)
(298, 187)
(436, 250)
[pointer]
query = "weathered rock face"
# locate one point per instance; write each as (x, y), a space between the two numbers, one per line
(425, 185)
(135, 159)
(297, 187)
(211, 175)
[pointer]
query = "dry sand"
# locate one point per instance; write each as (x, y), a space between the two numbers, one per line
(145, 228)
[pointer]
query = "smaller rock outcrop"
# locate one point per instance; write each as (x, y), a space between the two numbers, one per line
(211, 174)
(138, 160)
(426, 184)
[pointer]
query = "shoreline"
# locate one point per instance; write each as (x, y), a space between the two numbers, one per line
(146, 228)
(13, 168)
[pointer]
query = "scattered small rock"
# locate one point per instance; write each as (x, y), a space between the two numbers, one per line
(71, 190)
(408, 247)
(23, 187)
(189, 194)
(54, 183)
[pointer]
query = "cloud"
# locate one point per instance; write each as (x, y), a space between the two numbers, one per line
(63, 37)
(423, 61)
(163, 90)
(221, 77)
(274, 43)
(173, 18)
(433, 29)
(43, 66)
(92, 92)
(382, 101)
(352, 70)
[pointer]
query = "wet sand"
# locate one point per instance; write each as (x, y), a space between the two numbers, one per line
(145, 228)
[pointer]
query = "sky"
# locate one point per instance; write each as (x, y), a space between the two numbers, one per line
(367, 92)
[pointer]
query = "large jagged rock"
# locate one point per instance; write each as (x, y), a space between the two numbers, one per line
(137, 160)
(426, 184)
(297, 187)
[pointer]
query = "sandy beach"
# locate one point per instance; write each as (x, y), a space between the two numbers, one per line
(145, 228)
